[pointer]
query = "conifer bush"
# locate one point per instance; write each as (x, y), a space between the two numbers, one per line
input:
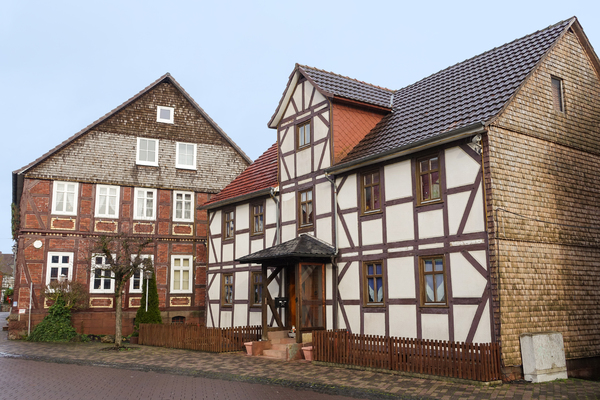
(152, 316)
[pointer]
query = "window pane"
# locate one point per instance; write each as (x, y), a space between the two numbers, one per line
(435, 185)
(368, 199)
(112, 206)
(185, 281)
(378, 269)
(70, 199)
(424, 165)
(376, 177)
(368, 179)
(428, 265)
(102, 205)
(55, 259)
(425, 193)
(439, 264)
(99, 260)
(371, 283)
(188, 211)
(177, 262)
(376, 205)
(65, 259)
(176, 280)
(186, 262)
(107, 283)
(53, 273)
(439, 291)
(165, 114)
(379, 282)
(434, 163)
(429, 297)
(60, 201)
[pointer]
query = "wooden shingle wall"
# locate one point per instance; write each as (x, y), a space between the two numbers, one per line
(542, 167)
(111, 146)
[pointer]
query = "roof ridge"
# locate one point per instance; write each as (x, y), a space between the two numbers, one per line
(347, 77)
(486, 52)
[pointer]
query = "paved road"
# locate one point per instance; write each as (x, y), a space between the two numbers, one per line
(32, 380)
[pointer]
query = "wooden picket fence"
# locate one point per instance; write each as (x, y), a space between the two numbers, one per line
(195, 337)
(474, 361)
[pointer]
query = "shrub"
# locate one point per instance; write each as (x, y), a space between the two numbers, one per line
(152, 316)
(56, 326)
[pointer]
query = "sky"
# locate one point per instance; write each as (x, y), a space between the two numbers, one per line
(67, 63)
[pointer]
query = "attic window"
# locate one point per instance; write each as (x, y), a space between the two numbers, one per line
(557, 95)
(165, 114)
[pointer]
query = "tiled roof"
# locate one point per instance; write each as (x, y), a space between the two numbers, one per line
(301, 246)
(349, 88)
(475, 90)
(261, 174)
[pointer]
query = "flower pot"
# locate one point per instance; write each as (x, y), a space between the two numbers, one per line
(308, 353)
(133, 340)
(291, 334)
(248, 348)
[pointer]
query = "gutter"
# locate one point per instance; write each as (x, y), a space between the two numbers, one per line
(221, 203)
(446, 137)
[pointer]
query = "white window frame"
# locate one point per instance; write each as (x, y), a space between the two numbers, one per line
(137, 153)
(97, 210)
(93, 276)
(185, 166)
(136, 200)
(183, 201)
(55, 197)
(190, 269)
(131, 280)
(165, 120)
(61, 265)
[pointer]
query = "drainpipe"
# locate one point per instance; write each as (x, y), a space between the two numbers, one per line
(335, 245)
(276, 200)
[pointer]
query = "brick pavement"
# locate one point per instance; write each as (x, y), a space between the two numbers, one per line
(302, 374)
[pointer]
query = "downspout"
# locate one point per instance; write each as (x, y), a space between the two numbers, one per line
(335, 245)
(276, 200)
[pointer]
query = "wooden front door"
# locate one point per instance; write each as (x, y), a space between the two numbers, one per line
(310, 287)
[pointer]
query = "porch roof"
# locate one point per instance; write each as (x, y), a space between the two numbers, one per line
(302, 246)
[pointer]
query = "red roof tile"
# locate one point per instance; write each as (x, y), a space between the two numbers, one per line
(260, 175)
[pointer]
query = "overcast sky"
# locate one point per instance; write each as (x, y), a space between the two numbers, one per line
(65, 64)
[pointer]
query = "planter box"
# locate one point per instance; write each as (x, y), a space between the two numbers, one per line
(308, 353)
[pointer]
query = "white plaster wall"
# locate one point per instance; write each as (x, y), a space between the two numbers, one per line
(288, 207)
(214, 254)
(326, 158)
(341, 322)
(318, 98)
(273, 288)
(480, 256)
(320, 129)
(241, 315)
(353, 314)
(463, 318)
(372, 232)
(255, 318)
(256, 245)
(289, 163)
(287, 139)
(352, 224)
(215, 226)
(483, 334)
(288, 232)
(374, 324)
(289, 111)
(349, 284)
(398, 180)
(270, 211)
(400, 222)
(403, 321)
(323, 195)
(461, 169)
(328, 281)
(466, 280)
(434, 326)
(270, 235)
(303, 162)
(401, 278)
(323, 231)
(242, 243)
(347, 197)
(242, 217)
(214, 291)
(297, 96)
(328, 317)
(226, 317)
(318, 149)
(227, 252)
(475, 222)
(456, 209)
(431, 224)
(215, 315)
(241, 285)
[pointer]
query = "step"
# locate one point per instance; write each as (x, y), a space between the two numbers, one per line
(277, 335)
(283, 341)
(278, 354)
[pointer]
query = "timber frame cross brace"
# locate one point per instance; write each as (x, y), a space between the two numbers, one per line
(268, 300)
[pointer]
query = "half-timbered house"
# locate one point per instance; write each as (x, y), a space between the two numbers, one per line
(140, 171)
(461, 207)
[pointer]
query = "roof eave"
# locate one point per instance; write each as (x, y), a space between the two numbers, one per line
(450, 136)
(237, 199)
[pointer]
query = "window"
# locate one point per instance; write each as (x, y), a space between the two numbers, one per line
(145, 204)
(228, 224)
(183, 209)
(305, 209)
(428, 179)
(59, 267)
(557, 94)
(227, 293)
(147, 152)
(303, 134)
(256, 288)
(107, 201)
(371, 199)
(181, 274)
(373, 272)
(186, 156)
(433, 282)
(178, 320)
(64, 198)
(258, 218)
(102, 280)
(165, 114)
(135, 282)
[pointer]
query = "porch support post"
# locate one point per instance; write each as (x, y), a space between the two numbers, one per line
(265, 287)
(298, 300)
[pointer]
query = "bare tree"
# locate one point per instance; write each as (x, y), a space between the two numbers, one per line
(123, 258)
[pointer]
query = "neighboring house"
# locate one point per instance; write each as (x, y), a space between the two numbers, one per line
(141, 170)
(462, 207)
(7, 272)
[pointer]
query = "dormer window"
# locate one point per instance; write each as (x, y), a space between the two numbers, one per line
(303, 134)
(557, 94)
(165, 114)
